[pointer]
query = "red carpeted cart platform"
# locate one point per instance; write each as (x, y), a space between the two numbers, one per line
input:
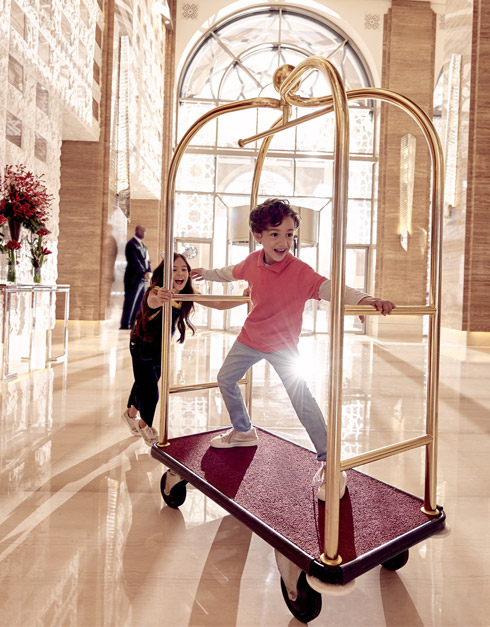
(269, 488)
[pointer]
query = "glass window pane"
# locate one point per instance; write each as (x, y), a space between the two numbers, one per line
(240, 34)
(361, 130)
(235, 126)
(235, 174)
(314, 37)
(193, 215)
(316, 135)
(205, 71)
(284, 140)
(240, 82)
(353, 73)
(360, 179)
(235, 61)
(359, 222)
(355, 276)
(314, 177)
(189, 112)
(277, 178)
(196, 173)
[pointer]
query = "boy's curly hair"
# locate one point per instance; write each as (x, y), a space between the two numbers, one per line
(271, 213)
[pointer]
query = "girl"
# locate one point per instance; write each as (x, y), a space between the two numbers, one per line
(146, 343)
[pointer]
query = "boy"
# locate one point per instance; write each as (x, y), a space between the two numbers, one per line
(280, 286)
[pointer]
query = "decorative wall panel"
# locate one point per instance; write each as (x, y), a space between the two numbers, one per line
(45, 94)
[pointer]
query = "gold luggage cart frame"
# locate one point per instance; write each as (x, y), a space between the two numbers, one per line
(302, 593)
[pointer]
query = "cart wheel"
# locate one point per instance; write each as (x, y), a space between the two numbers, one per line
(396, 562)
(177, 494)
(308, 602)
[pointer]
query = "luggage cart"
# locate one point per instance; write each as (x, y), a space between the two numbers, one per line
(316, 545)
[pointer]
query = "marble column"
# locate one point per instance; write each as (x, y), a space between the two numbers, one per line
(402, 251)
(466, 258)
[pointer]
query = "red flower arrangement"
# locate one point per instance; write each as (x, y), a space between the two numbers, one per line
(24, 198)
(38, 252)
(12, 245)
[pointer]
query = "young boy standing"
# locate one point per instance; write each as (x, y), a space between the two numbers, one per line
(280, 286)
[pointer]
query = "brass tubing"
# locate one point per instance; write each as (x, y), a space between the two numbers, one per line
(284, 126)
(401, 310)
(339, 193)
(202, 298)
(199, 386)
(385, 451)
(271, 103)
(259, 163)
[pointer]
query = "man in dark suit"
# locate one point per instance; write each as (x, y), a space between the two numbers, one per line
(137, 272)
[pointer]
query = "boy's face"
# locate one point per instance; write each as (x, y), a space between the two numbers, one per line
(276, 240)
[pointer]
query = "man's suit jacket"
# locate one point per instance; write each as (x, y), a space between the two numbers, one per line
(138, 262)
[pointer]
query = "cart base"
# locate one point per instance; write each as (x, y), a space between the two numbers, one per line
(269, 488)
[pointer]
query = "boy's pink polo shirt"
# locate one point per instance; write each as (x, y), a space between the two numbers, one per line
(278, 293)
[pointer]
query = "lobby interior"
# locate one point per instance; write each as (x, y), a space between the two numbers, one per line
(85, 537)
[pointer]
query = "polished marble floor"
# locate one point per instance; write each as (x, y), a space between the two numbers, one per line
(86, 540)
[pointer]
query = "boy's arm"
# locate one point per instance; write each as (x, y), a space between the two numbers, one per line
(351, 296)
(221, 275)
(356, 297)
(383, 306)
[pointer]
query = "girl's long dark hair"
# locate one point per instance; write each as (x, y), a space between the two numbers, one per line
(183, 322)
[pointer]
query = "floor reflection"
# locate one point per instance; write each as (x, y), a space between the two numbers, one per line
(86, 540)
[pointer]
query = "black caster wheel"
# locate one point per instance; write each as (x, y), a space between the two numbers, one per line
(177, 493)
(396, 562)
(308, 603)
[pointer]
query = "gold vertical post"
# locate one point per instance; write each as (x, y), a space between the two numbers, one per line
(271, 103)
(340, 183)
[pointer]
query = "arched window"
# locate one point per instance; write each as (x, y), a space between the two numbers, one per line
(234, 60)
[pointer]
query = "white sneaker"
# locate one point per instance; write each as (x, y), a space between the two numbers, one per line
(149, 434)
(320, 476)
(132, 423)
(233, 439)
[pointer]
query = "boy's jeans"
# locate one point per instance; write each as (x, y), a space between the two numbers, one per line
(240, 359)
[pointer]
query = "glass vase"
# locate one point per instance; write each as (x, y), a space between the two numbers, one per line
(11, 274)
(14, 228)
(37, 275)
